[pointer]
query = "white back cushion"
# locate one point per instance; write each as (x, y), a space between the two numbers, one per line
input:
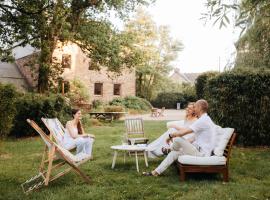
(177, 123)
(221, 139)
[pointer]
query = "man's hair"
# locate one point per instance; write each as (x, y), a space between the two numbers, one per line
(203, 104)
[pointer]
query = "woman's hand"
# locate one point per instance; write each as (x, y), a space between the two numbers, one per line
(89, 135)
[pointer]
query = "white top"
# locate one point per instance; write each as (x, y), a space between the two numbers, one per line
(129, 147)
(204, 129)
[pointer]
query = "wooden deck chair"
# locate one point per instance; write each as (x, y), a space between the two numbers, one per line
(160, 113)
(224, 168)
(135, 131)
(57, 162)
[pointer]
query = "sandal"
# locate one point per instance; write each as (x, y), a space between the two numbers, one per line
(165, 151)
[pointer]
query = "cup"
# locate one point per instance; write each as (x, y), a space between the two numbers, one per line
(124, 140)
(132, 141)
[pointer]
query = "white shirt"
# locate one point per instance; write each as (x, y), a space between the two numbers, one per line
(204, 129)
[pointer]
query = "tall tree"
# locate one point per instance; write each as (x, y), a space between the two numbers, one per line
(253, 17)
(156, 50)
(42, 23)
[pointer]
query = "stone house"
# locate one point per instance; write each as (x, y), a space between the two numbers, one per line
(183, 78)
(102, 85)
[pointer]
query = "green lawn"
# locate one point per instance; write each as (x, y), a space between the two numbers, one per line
(19, 160)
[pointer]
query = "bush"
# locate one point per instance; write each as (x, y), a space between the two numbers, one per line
(8, 95)
(168, 100)
(78, 92)
(114, 109)
(132, 102)
(35, 106)
(242, 100)
(201, 83)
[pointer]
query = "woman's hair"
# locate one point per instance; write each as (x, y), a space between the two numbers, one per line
(79, 125)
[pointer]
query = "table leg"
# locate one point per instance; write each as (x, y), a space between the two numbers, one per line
(137, 164)
(114, 159)
(145, 158)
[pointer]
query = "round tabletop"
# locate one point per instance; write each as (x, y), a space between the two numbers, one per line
(130, 147)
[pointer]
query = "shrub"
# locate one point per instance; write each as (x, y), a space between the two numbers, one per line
(114, 109)
(8, 95)
(201, 83)
(242, 100)
(132, 102)
(97, 104)
(168, 100)
(78, 92)
(35, 106)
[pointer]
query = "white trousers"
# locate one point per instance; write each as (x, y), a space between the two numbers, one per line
(83, 144)
(180, 147)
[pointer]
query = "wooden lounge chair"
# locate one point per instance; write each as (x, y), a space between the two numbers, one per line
(160, 112)
(221, 163)
(135, 131)
(56, 163)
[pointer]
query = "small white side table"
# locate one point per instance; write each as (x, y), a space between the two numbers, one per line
(127, 148)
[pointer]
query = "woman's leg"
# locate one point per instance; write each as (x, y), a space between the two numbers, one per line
(89, 145)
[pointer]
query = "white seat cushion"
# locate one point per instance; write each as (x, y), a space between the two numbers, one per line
(196, 160)
(222, 138)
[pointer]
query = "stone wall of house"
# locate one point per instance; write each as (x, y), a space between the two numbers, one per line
(79, 69)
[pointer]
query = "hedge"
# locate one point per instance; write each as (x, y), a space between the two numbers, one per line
(170, 99)
(242, 100)
(8, 95)
(35, 106)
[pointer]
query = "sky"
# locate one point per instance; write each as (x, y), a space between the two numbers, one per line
(206, 47)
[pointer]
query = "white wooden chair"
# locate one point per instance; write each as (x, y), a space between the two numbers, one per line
(135, 131)
(51, 168)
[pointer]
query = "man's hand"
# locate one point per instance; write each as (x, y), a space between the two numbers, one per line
(168, 140)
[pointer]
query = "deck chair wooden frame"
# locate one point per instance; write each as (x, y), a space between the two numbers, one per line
(223, 169)
(50, 162)
(135, 131)
(160, 113)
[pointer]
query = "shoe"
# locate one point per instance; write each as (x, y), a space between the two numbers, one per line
(165, 151)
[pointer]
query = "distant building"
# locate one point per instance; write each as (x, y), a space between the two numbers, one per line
(186, 78)
(102, 85)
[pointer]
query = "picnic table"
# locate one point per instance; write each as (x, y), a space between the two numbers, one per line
(106, 115)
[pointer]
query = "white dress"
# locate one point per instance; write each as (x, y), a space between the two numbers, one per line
(154, 148)
(82, 144)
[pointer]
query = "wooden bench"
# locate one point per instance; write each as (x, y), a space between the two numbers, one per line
(106, 115)
(224, 169)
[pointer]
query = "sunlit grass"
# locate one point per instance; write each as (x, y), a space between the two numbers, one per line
(19, 160)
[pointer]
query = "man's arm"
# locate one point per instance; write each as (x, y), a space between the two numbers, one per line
(180, 133)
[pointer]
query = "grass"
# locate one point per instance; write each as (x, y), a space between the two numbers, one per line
(19, 160)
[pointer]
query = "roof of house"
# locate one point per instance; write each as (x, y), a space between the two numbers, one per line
(177, 76)
(9, 73)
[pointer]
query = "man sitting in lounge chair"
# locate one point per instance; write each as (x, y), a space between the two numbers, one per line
(204, 129)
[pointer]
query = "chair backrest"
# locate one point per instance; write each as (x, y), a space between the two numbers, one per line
(134, 127)
(55, 127)
(227, 151)
(43, 135)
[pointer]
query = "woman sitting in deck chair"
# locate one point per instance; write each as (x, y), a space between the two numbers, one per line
(159, 146)
(75, 135)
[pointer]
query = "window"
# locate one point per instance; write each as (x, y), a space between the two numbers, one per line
(116, 89)
(66, 61)
(98, 88)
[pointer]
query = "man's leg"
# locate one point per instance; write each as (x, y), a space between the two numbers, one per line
(171, 157)
(185, 146)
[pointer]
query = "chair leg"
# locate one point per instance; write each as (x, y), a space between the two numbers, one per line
(225, 175)
(51, 155)
(78, 171)
(182, 175)
(41, 166)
